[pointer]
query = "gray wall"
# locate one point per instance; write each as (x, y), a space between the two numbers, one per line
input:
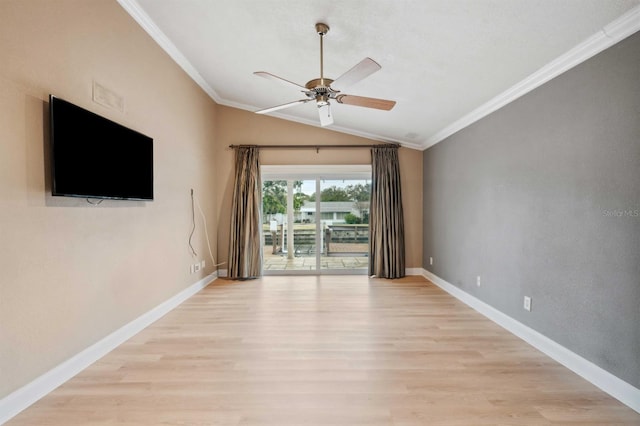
(542, 198)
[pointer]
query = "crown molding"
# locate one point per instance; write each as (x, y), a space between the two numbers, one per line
(136, 11)
(133, 8)
(610, 34)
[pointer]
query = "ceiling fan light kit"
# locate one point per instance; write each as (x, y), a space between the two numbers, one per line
(321, 91)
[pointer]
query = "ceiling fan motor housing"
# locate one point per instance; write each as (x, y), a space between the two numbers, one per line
(320, 90)
(319, 84)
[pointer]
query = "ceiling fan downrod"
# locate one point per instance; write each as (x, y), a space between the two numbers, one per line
(322, 30)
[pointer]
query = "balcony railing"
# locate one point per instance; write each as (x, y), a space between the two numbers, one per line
(337, 240)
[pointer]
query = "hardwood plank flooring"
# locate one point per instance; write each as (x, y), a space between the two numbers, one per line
(322, 351)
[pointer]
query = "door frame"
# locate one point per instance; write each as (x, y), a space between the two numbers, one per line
(317, 173)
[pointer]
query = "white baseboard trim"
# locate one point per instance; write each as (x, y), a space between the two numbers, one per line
(222, 273)
(22, 398)
(617, 388)
(413, 271)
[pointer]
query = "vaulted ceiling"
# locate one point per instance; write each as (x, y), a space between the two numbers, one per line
(447, 63)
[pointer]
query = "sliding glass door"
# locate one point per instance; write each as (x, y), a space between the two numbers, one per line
(344, 221)
(315, 219)
(289, 233)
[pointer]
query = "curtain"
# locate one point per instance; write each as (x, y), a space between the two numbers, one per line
(245, 253)
(386, 223)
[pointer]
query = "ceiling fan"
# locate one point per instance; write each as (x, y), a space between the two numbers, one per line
(323, 90)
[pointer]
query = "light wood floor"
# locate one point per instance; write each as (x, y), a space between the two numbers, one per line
(326, 351)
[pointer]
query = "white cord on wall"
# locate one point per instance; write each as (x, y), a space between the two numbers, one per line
(206, 232)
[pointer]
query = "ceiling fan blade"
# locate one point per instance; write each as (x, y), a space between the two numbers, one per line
(365, 68)
(280, 80)
(326, 118)
(366, 102)
(283, 106)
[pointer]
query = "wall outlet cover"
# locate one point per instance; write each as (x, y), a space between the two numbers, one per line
(527, 303)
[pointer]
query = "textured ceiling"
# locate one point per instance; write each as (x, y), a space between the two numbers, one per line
(445, 62)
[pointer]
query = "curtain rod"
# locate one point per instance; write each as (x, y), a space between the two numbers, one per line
(316, 147)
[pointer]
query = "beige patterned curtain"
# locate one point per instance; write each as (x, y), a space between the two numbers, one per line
(386, 224)
(245, 254)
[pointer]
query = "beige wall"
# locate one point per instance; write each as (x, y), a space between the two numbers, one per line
(235, 126)
(71, 273)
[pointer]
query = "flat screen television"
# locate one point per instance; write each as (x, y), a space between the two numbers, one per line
(93, 157)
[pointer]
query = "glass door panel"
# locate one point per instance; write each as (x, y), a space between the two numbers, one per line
(344, 223)
(289, 227)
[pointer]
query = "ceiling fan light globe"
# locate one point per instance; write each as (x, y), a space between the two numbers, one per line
(322, 100)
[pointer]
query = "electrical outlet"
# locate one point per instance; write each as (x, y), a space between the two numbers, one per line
(191, 269)
(196, 267)
(430, 260)
(202, 264)
(527, 303)
(478, 280)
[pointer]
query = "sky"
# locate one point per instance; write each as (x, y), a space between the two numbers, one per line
(309, 186)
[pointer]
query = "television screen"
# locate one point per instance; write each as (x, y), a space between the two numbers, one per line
(93, 157)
